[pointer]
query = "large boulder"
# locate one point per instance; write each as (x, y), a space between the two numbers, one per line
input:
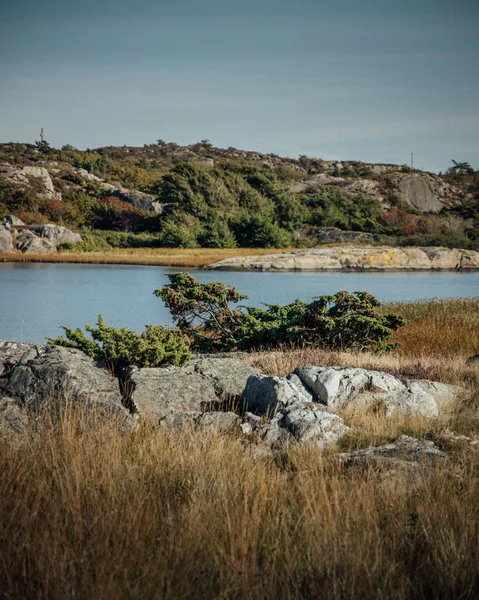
(203, 384)
(265, 395)
(51, 376)
(29, 243)
(292, 413)
(6, 242)
(57, 235)
(347, 387)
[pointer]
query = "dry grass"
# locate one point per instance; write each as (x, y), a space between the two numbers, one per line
(438, 328)
(163, 257)
(88, 512)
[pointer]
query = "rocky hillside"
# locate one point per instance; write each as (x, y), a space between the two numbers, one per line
(199, 195)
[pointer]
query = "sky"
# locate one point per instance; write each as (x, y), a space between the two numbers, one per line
(370, 80)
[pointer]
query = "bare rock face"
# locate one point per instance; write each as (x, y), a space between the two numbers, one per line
(50, 376)
(6, 242)
(417, 192)
(201, 385)
(355, 259)
(346, 387)
(57, 235)
(29, 243)
(292, 414)
(21, 176)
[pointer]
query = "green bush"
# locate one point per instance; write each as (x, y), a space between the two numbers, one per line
(119, 348)
(342, 321)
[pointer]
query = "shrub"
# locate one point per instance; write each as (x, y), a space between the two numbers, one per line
(341, 321)
(119, 348)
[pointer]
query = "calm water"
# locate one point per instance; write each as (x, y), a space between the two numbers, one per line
(36, 299)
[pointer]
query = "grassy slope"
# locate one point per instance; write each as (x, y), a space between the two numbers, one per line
(88, 512)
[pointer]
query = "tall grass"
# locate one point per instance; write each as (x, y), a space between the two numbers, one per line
(89, 512)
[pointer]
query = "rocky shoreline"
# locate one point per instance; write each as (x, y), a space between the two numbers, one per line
(356, 259)
(213, 393)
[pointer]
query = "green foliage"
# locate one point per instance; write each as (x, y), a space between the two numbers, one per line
(119, 348)
(342, 321)
(330, 207)
(97, 241)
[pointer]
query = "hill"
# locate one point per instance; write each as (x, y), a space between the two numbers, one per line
(168, 195)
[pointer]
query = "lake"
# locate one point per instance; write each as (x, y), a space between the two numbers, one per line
(36, 299)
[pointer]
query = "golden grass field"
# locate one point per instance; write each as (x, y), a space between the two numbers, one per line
(161, 257)
(90, 512)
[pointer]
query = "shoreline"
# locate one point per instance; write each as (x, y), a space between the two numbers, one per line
(160, 257)
(325, 259)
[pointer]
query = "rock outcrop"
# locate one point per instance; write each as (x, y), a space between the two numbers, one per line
(29, 243)
(204, 383)
(57, 235)
(22, 177)
(218, 395)
(338, 388)
(291, 412)
(356, 259)
(50, 376)
(6, 241)
(347, 387)
(15, 236)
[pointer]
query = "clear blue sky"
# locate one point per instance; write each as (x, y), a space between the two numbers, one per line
(372, 80)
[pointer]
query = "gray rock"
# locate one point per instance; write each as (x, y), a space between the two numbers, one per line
(158, 392)
(219, 422)
(13, 421)
(21, 176)
(214, 422)
(264, 395)
(416, 190)
(205, 383)
(346, 387)
(10, 355)
(13, 220)
(139, 200)
(180, 420)
(57, 235)
(43, 175)
(288, 404)
(51, 376)
(228, 374)
(356, 259)
(309, 424)
(404, 448)
(29, 243)
(6, 242)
